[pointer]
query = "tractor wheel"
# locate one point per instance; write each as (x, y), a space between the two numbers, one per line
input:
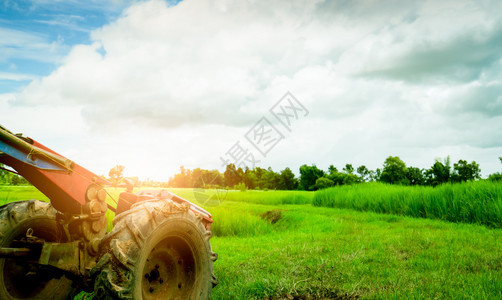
(23, 280)
(156, 250)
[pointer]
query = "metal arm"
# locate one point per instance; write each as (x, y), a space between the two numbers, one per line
(64, 182)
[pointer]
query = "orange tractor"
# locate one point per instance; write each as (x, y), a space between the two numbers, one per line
(158, 248)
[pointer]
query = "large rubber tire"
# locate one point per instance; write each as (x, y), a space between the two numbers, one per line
(21, 280)
(156, 250)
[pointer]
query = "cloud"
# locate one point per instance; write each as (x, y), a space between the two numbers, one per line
(484, 99)
(37, 34)
(161, 68)
(156, 66)
(16, 44)
(15, 76)
(378, 78)
(443, 42)
(462, 59)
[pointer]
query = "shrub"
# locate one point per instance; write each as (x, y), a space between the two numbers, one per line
(323, 182)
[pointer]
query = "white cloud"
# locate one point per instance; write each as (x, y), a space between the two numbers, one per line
(167, 86)
(16, 44)
(15, 76)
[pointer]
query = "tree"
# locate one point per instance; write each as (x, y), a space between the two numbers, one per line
(181, 180)
(394, 170)
(271, 179)
(332, 170)
(2, 171)
(249, 178)
(231, 175)
(350, 179)
(260, 177)
(197, 178)
(496, 176)
(439, 172)
(363, 172)
(463, 171)
(308, 176)
(337, 178)
(240, 173)
(322, 183)
(15, 180)
(213, 179)
(349, 169)
(287, 180)
(415, 176)
(374, 175)
(4, 175)
(115, 174)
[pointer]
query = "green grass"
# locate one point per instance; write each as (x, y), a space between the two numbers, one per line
(216, 197)
(472, 202)
(319, 252)
(323, 252)
(15, 193)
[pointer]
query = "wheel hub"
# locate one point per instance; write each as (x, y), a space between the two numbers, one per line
(166, 275)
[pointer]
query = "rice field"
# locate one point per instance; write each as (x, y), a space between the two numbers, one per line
(270, 197)
(478, 202)
(272, 247)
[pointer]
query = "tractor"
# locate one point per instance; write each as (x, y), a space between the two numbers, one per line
(158, 247)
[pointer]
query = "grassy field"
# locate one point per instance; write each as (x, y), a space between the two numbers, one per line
(319, 252)
(274, 250)
(477, 202)
(215, 197)
(14, 193)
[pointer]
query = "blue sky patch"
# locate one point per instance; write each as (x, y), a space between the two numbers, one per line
(36, 35)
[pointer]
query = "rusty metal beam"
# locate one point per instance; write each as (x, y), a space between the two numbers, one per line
(16, 252)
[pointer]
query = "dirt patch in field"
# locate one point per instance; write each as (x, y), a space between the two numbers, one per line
(272, 216)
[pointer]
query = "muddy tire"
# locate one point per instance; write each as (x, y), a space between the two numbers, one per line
(157, 250)
(21, 280)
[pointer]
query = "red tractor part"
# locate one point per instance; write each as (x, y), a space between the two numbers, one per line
(160, 241)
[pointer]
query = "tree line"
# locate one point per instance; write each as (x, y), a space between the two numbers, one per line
(393, 171)
(9, 178)
(238, 178)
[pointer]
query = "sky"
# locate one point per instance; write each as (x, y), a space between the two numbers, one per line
(155, 85)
